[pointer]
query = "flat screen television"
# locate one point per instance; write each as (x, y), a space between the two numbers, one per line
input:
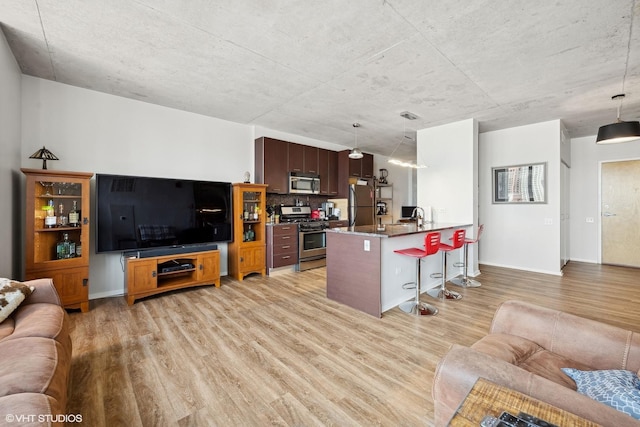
(136, 213)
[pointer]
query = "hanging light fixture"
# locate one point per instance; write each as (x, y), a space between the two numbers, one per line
(356, 153)
(405, 164)
(619, 131)
(44, 155)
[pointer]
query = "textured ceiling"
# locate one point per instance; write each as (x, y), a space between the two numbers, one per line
(313, 68)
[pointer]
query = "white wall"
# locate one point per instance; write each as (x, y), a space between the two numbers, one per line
(516, 235)
(449, 183)
(586, 157)
(95, 132)
(448, 187)
(10, 194)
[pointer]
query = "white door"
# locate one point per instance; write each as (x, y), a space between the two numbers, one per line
(620, 213)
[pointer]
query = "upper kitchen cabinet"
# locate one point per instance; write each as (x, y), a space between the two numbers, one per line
(303, 158)
(367, 166)
(328, 171)
(311, 160)
(271, 164)
(296, 157)
(361, 168)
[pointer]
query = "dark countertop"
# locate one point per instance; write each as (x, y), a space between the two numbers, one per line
(395, 230)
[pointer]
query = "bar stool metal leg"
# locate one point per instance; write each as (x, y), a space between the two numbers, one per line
(417, 307)
(442, 292)
(465, 281)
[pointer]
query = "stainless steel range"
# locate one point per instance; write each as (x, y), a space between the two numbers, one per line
(312, 241)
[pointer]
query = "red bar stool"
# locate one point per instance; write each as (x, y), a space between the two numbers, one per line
(442, 292)
(431, 245)
(465, 281)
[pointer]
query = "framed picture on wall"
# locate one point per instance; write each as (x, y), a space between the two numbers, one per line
(520, 183)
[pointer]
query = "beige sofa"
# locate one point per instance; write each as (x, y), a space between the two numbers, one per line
(35, 359)
(525, 349)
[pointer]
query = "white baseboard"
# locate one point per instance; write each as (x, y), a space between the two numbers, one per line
(532, 270)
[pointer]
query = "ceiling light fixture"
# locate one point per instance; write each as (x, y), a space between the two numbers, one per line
(356, 153)
(619, 131)
(405, 164)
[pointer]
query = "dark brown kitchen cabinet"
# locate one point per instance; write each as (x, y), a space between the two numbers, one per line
(282, 245)
(361, 168)
(311, 159)
(328, 170)
(271, 164)
(296, 157)
(323, 170)
(303, 158)
(366, 166)
(333, 190)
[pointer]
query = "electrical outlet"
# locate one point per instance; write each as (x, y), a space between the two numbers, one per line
(367, 245)
(548, 221)
(590, 219)
(398, 271)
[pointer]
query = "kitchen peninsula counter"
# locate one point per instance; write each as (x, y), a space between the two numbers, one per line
(363, 271)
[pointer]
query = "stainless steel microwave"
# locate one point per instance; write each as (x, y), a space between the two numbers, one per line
(304, 183)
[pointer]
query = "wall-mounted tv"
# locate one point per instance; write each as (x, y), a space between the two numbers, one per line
(137, 213)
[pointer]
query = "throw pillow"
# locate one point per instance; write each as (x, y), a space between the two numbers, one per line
(617, 388)
(12, 294)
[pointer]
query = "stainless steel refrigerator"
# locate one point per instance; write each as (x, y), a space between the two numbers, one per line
(361, 205)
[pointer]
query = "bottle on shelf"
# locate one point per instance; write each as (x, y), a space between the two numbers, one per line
(251, 235)
(65, 248)
(62, 218)
(50, 221)
(74, 215)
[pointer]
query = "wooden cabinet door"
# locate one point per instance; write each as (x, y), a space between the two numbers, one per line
(355, 167)
(332, 174)
(142, 275)
(209, 267)
(252, 258)
(323, 170)
(72, 284)
(275, 167)
(311, 159)
(367, 166)
(296, 157)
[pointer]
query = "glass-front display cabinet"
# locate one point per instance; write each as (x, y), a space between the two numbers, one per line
(247, 252)
(57, 232)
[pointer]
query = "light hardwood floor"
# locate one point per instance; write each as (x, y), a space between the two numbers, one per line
(275, 351)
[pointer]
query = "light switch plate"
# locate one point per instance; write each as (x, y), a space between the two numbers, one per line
(367, 245)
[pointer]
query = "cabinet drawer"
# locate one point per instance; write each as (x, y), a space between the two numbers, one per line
(338, 223)
(283, 259)
(288, 229)
(285, 240)
(285, 248)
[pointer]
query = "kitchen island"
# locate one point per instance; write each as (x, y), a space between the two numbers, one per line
(363, 272)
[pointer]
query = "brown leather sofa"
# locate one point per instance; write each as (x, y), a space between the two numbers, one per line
(525, 349)
(35, 359)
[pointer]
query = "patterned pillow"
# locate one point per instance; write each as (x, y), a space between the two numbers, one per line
(617, 388)
(12, 293)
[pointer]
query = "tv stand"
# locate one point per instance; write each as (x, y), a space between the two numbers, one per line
(145, 276)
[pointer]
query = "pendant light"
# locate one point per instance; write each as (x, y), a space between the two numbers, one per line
(356, 153)
(405, 164)
(619, 131)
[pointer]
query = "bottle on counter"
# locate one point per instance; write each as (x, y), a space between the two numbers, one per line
(74, 215)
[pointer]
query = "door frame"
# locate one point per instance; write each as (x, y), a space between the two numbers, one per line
(600, 163)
